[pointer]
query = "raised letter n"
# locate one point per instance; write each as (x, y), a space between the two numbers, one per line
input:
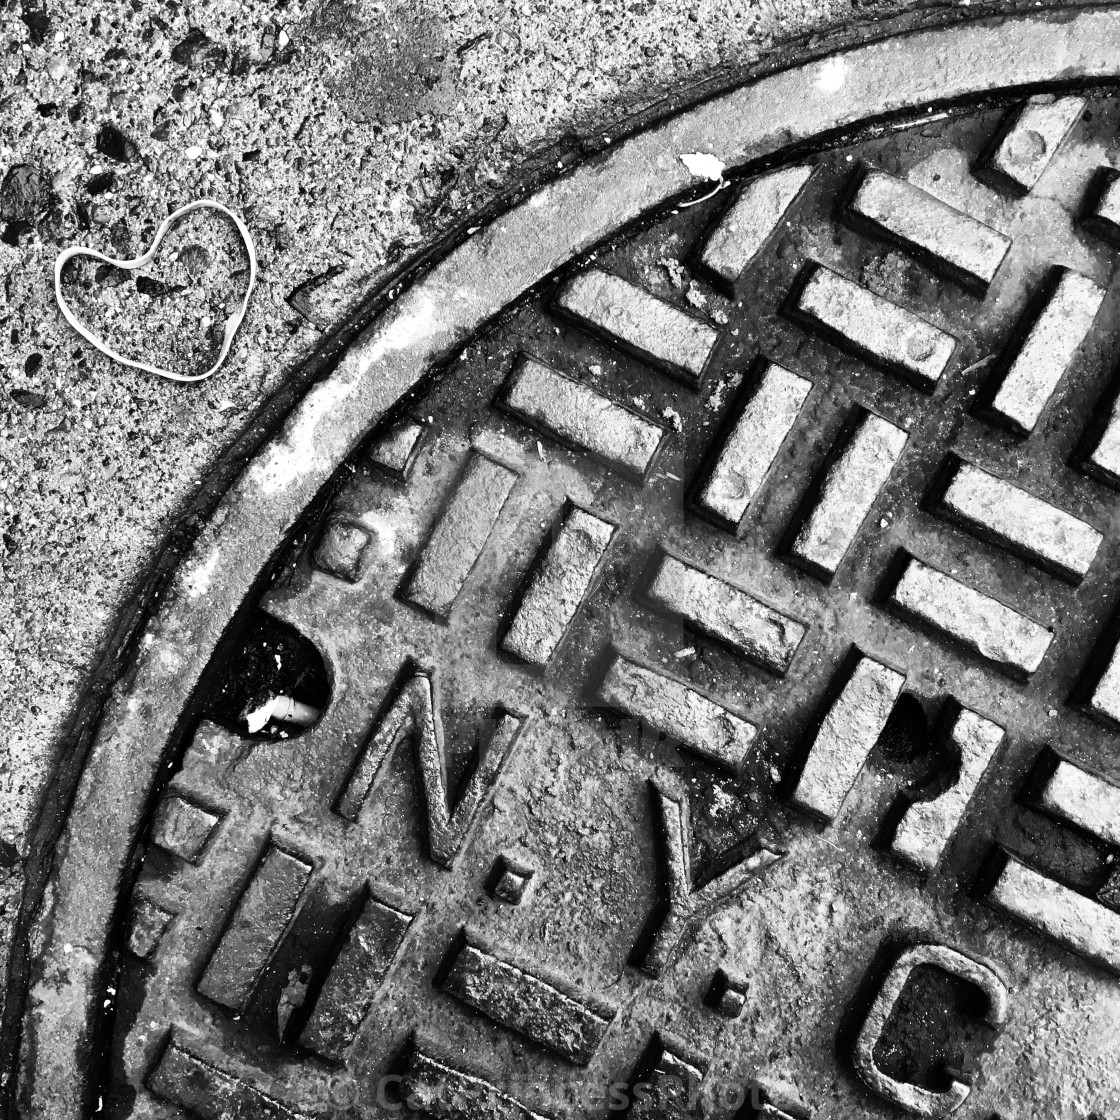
(414, 715)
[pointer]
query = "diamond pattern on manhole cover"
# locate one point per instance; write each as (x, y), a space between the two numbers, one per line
(703, 675)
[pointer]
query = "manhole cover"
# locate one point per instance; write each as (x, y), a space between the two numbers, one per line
(671, 665)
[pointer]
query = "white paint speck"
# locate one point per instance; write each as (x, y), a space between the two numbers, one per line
(408, 328)
(259, 717)
(198, 579)
(832, 75)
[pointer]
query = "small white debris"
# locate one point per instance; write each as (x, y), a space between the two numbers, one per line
(56, 68)
(719, 392)
(193, 152)
(540, 452)
(282, 709)
(678, 276)
(258, 718)
(696, 297)
(704, 165)
(673, 417)
(832, 75)
(688, 651)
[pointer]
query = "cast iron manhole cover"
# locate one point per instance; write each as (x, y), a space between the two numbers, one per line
(677, 646)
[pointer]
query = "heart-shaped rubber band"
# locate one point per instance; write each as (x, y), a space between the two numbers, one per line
(232, 323)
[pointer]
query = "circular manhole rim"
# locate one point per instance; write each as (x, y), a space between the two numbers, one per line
(748, 125)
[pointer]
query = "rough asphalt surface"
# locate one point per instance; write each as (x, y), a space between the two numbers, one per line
(347, 135)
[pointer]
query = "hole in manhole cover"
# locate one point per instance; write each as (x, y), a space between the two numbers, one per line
(270, 661)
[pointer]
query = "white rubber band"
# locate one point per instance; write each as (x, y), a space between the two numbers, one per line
(232, 323)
